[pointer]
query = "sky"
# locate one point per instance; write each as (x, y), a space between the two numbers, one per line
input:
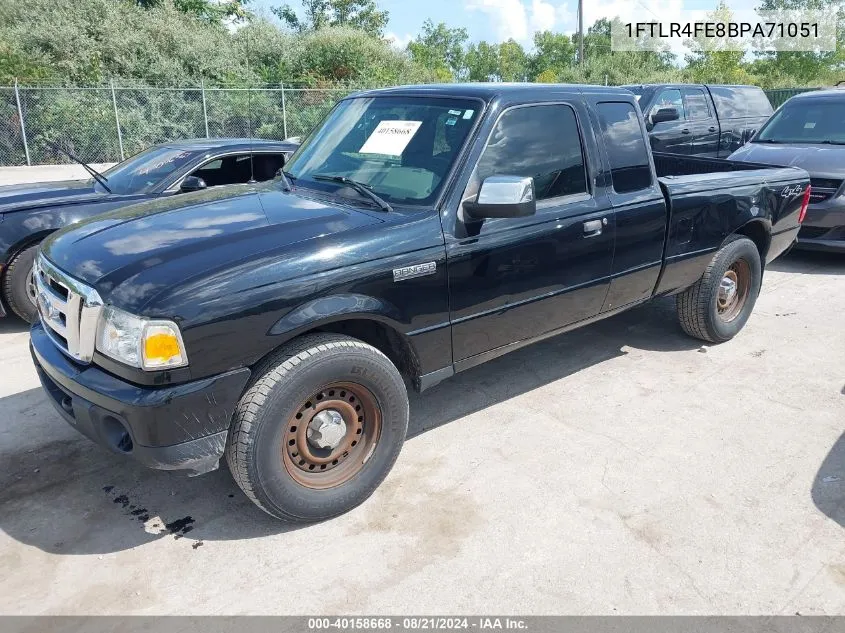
(500, 20)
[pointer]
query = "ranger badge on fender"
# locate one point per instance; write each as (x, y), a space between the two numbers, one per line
(417, 270)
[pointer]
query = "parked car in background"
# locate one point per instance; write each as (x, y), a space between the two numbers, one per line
(808, 131)
(701, 120)
(419, 232)
(30, 212)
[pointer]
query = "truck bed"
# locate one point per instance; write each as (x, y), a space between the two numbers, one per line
(708, 198)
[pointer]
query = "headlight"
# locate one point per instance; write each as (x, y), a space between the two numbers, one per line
(145, 343)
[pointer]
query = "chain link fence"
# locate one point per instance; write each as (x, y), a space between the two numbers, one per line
(108, 124)
(778, 97)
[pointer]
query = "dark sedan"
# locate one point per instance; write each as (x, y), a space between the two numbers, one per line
(30, 212)
(808, 131)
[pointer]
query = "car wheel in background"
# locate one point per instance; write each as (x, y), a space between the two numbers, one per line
(19, 285)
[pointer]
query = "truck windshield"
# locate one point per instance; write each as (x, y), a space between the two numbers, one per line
(803, 122)
(401, 148)
(145, 170)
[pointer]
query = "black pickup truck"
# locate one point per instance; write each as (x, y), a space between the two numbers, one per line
(701, 120)
(418, 232)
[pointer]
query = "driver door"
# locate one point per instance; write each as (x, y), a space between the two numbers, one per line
(670, 136)
(514, 279)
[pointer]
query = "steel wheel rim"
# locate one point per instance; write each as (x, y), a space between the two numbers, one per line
(31, 289)
(733, 290)
(319, 468)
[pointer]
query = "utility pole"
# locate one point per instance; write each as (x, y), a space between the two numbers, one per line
(581, 36)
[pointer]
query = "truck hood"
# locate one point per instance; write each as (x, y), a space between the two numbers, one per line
(40, 194)
(818, 160)
(132, 254)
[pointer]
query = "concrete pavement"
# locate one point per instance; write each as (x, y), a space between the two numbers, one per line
(619, 469)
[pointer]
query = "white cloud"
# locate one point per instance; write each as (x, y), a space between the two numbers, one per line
(397, 41)
(520, 19)
(508, 16)
(543, 16)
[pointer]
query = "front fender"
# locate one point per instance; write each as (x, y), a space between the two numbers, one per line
(337, 307)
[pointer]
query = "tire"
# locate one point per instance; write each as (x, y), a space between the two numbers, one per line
(271, 451)
(706, 314)
(16, 281)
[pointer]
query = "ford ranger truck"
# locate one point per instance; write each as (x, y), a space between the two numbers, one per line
(417, 232)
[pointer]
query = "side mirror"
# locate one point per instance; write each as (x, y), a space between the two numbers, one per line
(665, 114)
(192, 183)
(503, 197)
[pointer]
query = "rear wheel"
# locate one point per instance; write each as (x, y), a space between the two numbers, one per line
(19, 284)
(718, 305)
(319, 429)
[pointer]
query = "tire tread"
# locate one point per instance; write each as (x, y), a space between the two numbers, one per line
(267, 376)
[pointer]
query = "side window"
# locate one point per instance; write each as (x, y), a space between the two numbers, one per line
(219, 171)
(626, 147)
(729, 102)
(670, 98)
(695, 103)
(239, 169)
(757, 103)
(540, 141)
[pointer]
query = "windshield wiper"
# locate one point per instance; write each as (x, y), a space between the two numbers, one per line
(360, 187)
(94, 173)
(829, 142)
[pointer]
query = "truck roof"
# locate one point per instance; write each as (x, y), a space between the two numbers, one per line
(488, 91)
(829, 94)
(682, 85)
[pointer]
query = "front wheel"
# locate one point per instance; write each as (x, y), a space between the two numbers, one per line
(716, 307)
(319, 429)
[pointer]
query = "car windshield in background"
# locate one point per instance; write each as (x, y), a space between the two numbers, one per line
(803, 122)
(401, 148)
(144, 171)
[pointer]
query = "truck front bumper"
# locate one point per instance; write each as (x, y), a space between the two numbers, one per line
(173, 427)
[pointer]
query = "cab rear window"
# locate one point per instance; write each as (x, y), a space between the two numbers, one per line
(626, 148)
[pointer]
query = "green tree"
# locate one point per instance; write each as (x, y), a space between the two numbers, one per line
(554, 53)
(482, 62)
(791, 68)
(507, 61)
(318, 14)
(440, 49)
(208, 10)
(711, 59)
(513, 61)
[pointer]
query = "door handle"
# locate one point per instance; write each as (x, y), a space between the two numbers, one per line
(685, 131)
(594, 227)
(711, 129)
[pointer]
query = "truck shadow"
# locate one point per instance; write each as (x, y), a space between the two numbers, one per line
(62, 494)
(829, 485)
(809, 263)
(13, 325)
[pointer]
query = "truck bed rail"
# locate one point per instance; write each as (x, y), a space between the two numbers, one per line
(682, 165)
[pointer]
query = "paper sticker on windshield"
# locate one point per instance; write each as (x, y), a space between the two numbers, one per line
(809, 125)
(455, 112)
(468, 114)
(390, 137)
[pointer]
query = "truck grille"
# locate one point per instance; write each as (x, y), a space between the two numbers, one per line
(823, 189)
(69, 310)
